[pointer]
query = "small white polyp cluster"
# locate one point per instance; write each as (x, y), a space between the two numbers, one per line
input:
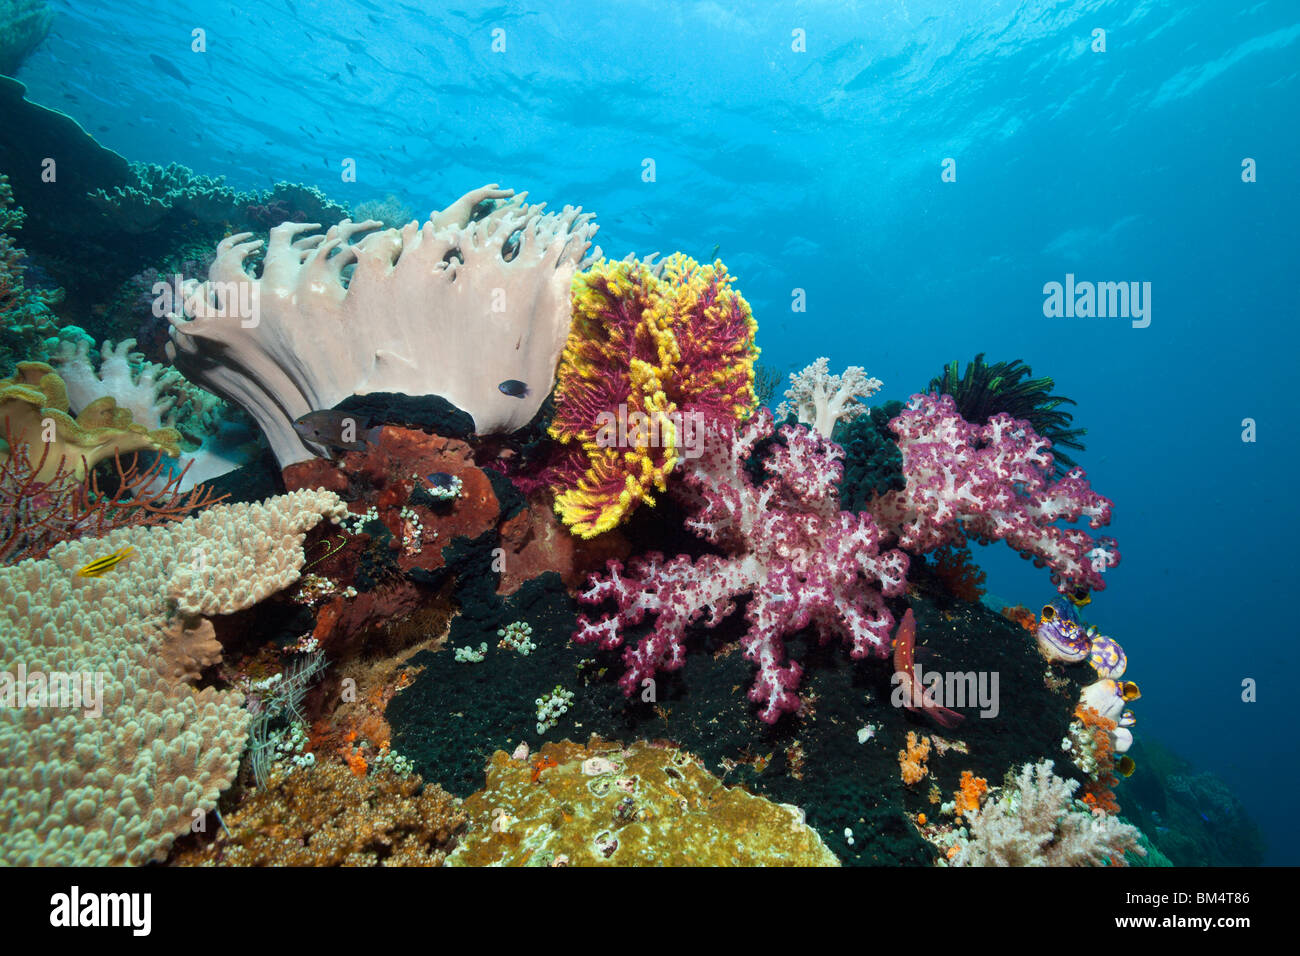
(552, 707)
(517, 637)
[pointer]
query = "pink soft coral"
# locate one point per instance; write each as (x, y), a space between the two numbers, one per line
(789, 548)
(993, 482)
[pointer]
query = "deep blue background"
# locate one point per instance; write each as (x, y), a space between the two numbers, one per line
(820, 170)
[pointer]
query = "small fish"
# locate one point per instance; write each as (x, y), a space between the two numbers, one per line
(439, 479)
(167, 67)
(714, 254)
(343, 431)
(514, 388)
(97, 567)
(1125, 766)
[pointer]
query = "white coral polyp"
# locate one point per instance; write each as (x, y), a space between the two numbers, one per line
(140, 390)
(819, 399)
(452, 308)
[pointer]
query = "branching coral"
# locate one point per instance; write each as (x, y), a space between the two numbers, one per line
(1036, 823)
(993, 482)
(819, 399)
(912, 760)
(459, 307)
(789, 549)
(654, 351)
(37, 514)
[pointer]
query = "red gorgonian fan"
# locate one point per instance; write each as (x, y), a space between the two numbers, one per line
(36, 515)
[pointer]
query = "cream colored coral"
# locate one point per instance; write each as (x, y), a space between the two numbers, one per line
(1036, 822)
(819, 399)
(118, 788)
(454, 307)
(141, 390)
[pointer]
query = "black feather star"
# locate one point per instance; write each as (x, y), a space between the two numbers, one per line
(985, 390)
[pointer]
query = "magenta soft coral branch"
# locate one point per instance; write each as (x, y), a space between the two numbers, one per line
(798, 559)
(993, 483)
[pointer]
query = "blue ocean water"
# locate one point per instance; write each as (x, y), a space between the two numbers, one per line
(807, 141)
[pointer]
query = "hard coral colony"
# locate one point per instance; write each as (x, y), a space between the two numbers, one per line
(604, 386)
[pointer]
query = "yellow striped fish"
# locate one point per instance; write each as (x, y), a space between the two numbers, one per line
(97, 567)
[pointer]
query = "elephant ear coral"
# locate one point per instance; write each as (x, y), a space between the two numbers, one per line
(655, 352)
(466, 307)
(34, 411)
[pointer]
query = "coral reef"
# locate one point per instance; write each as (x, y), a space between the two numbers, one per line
(821, 400)
(161, 191)
(453, 716)
(295, 202)
(25, 313)
(644, 805)
(1000, 389)
(325, 815)
(117, 786)
(1034, 822)
(873, 464)
(655, 351)
(459, 308)
(789, 549)
(390, 210)
(37, 514)
(23, 25)
(993, 482)
(34, 411)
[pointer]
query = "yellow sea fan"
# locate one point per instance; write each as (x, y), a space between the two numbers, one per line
(647, 346)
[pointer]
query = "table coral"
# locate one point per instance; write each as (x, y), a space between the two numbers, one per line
(453, 308)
